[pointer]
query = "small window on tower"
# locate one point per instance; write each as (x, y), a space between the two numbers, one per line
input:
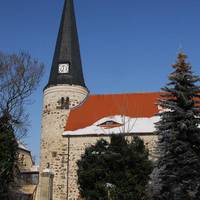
(54, 154)
(63, 103)
(67, 103)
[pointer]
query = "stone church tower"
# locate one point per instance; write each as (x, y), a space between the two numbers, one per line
(65, 90)
(72, 119)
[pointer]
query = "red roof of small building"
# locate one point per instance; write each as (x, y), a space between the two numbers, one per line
(99, 106)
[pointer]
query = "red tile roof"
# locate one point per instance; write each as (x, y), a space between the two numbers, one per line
(98, 106)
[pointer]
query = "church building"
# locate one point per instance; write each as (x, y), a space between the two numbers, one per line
(73, 119)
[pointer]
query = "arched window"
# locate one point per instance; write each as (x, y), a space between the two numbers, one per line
(63, 103)
(67, 103)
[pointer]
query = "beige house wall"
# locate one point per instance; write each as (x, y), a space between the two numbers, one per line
(77, 147)
(25, 161)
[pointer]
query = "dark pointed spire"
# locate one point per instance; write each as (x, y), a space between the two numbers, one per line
(66, 66)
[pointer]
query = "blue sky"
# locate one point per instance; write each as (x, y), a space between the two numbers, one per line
(126, 45)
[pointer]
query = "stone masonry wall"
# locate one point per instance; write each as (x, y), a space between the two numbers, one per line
(77, 148)
(53, 148)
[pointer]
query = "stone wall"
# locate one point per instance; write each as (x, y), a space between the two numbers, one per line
(77, 147)
(53, 146)
(25, 161)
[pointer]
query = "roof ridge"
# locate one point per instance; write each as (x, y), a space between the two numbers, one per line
(128, 93)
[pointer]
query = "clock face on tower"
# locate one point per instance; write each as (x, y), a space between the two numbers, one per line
(63, 68)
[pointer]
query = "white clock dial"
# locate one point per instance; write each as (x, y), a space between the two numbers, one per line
(63, 68)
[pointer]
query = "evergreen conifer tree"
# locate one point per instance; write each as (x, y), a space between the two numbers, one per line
(8, 156)
(177, 175)
(118, 170)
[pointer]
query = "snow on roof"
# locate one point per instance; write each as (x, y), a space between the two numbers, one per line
(134, 105)
(35, 168)
(48, 170)
(22, 146)
(129, 125)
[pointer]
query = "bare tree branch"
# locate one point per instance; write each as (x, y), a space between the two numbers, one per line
(20, 75)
